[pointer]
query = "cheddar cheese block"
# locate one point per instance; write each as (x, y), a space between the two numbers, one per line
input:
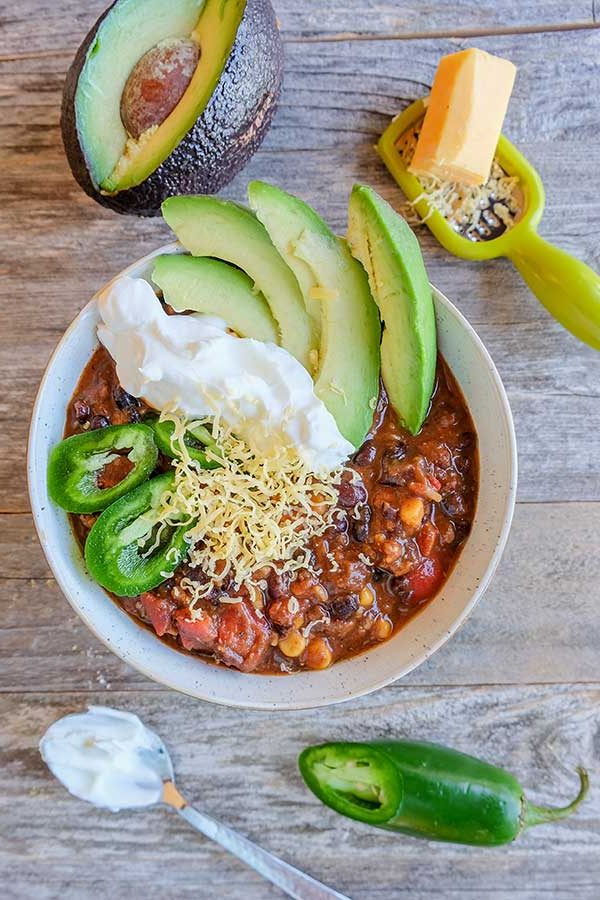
(464, 117)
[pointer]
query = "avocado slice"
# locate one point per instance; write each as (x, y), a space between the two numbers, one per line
(215, 288)
(207, 226)
(218, 122)
(347, 377)
(385, 245)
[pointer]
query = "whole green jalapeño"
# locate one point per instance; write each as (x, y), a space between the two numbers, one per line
(425, 790)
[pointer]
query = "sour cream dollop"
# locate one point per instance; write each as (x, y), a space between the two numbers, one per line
(102, 756)
(190, 364)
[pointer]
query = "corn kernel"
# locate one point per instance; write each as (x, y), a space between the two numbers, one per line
(292, 644)
(366, 597)
(320, 593)
(382, 629)
(412, 511)
(318, 654)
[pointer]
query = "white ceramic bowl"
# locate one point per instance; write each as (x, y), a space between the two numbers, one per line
(486, 398)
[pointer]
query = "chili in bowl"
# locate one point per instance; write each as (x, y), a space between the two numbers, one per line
(250, 576)
(398, 530)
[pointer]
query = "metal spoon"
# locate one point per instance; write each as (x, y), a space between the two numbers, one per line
(130, 765)
(291, 880)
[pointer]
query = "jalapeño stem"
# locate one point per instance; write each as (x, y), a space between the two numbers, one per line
(537, 815)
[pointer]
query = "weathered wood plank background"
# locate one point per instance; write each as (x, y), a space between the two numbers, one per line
(520, 684)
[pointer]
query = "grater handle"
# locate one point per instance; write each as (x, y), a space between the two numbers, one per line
(568, 288)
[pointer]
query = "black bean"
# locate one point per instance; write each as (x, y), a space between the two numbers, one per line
(453, 505)
(366, 454)
(398, 451)
(308, 559)
(127, 402)
(399, 587)
(343, 608)
(462, 464)
(278, 584)
(360, 526)
(462, 530)
(388, 511)
(466, 440)
(351, 493)
(394, 470)
(340, 522)
(99, 422)
(81, 410)
(227, 585)
(378, 574)
(123, 399)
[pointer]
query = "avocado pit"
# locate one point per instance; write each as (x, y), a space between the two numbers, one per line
(157, 83)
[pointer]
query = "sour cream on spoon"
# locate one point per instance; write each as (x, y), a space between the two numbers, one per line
(190, 364)
(109, 758)
(105, 756)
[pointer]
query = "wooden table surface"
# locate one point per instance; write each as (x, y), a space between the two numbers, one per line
(520, 684)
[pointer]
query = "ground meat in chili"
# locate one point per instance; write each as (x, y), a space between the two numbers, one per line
(399, 530)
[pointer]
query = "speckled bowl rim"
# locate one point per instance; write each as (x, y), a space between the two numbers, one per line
(378, 667)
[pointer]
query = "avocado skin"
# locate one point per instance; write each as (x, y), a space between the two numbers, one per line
(229, 131)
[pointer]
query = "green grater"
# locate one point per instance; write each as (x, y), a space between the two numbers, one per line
(568, 288)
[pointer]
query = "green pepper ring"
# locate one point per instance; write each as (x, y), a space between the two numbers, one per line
(75, 462)
(343, 795)
(163, 433)
(112, 553)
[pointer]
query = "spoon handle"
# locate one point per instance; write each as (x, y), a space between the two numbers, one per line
(568, 288)
(291, 880)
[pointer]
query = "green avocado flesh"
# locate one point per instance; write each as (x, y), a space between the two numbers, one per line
(347, 378)
(215, 288)
(207, 226)
(127, 32)
(390, 253)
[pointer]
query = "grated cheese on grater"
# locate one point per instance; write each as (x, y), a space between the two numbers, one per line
(463, 205)
(250, 512)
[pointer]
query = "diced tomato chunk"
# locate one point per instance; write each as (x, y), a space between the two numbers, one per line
(280, 613)
(424, 580)
(159, 610)
(196, 634)
(243, 637)
(426, 538)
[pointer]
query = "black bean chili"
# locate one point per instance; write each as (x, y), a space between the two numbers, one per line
(399, 530)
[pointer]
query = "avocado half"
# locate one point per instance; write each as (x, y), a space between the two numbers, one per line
(217, 123)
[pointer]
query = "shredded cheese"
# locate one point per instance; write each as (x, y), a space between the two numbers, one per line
(335, 566)
(250, 512)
